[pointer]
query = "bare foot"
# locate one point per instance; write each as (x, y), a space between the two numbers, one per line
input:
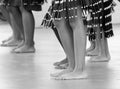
(65, 71)
(61, 62)
(90, 48)
(99, 59)
(11, 43)
(24, 49)
(11, 37)
(72, 76)
(19, 45)
(94, 52)
(62, 66)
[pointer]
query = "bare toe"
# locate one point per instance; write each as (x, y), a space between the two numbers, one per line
(24, 49)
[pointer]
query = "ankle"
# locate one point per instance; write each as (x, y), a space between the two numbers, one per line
(29, 44)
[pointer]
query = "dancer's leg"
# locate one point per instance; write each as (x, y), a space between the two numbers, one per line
(66, 36)
(79, 40)
(95, 51)
(64, 61)
(104, 55)
(6, 15)
(28, 26)
(17, 35)
(107, 49)
(92, 47)
(17, 22)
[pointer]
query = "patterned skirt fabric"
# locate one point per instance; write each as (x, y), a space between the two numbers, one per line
(101, 15)
(99, 10)
(28, 4)
(66, 8)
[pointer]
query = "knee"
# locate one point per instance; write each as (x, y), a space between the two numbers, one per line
(73, 24)
(77, 24)
(57, 24)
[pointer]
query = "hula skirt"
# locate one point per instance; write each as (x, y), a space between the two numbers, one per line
(100, 15)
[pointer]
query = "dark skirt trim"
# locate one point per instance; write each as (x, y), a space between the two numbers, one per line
(28, 4)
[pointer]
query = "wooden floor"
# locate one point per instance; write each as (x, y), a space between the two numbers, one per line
(32, 71)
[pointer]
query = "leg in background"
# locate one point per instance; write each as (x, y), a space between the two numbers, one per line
(96, 49)
(64, 61)
(104, 55)
(6, 15)
(77, 41)
(17, 34)
(28, 26)
(66, 37)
